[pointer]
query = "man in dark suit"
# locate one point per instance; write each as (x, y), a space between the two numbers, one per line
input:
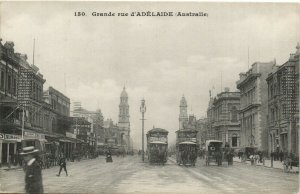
(63, 165)
(33, 171)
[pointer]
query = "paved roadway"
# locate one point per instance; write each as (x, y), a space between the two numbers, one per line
(129, 174)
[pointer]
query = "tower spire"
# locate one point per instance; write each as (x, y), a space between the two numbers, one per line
(33, 51)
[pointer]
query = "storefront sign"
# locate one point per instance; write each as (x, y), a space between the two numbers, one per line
(1, 136)
(12, 137)
(162, 139)
(188, 139)
(29, 134)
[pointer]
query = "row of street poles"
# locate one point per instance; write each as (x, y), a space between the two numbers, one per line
(143, 110)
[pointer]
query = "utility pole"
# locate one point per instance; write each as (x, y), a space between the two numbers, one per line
(23, 121)
(143, 110)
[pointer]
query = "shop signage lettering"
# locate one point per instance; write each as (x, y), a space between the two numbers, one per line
(162, 139)
(9, 136)
(29, 134)
(1, 136)
(188, 139)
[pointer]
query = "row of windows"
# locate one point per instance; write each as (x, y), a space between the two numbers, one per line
(248, 122)
(37, 91)
(232, 114)
(248, 97)
(60, 108)
(8, 82)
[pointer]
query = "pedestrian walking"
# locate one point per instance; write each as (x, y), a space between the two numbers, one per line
(63, 165)
(33, 171)
(281, 156)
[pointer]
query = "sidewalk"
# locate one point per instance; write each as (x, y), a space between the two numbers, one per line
(12, 167)
(276, 164)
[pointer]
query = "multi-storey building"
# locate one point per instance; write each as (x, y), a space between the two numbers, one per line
(112, 135)
(226, 125)
(202, 131)
(283, 106)
(58, 101)
(9, 110)
(60, 105)
(253, 108)
(209, 134)
(30, 95)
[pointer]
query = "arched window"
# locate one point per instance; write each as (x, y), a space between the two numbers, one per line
(234, 142)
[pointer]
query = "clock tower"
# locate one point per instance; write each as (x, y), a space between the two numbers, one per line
(124, 124)
(183, 116)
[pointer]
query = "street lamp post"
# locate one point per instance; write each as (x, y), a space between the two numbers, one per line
(143, 110)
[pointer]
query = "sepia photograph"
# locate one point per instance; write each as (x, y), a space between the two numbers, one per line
(149, 97)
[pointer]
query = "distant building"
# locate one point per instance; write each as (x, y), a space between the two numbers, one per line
(58, 101)
(225, 122)
(253, 108)
(202, 127)
(283, 106)
(89, 116)
(209, 134)
(112, 134)
(183, 115)
(124, 123)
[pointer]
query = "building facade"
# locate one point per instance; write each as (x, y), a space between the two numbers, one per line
(202, 126)
(283, 106)
(10, 123)
(183, 115)
(208, 133)
(225, 124)
(124, 123)
(113, 135)
(253, 106)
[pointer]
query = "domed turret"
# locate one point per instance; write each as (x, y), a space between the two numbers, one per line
(183, 101)
(124, 93)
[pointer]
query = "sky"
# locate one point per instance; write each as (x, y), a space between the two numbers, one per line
(90, 59)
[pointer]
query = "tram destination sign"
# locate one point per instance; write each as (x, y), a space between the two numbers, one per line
(162, 139)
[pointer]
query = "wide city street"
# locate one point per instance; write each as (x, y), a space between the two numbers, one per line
(129, 175)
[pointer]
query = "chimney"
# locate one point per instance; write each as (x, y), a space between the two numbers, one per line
(226, 89)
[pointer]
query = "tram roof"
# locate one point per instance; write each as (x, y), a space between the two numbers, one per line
(158, 130)
(157, 142)
(186, 130)
(187, 142)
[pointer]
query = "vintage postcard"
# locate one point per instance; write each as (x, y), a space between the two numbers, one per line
(149, 97)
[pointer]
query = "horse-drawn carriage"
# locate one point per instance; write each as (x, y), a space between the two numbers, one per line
(157, 145)
(186, 147)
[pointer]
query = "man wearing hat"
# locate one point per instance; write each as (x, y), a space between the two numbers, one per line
(33, 174)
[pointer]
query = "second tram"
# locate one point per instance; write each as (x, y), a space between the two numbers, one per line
(186, 147)
(157, 145)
